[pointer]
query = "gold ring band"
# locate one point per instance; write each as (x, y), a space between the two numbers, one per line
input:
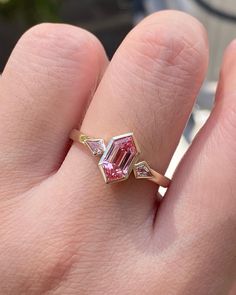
(119, 158)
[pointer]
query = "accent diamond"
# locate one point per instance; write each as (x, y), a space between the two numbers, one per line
(142, 170)
(118, 160)
(96, 146)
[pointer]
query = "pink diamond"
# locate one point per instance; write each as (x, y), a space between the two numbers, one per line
(118, 159)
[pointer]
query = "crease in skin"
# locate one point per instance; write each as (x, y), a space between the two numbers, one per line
(118, 229)
(28, 145)
(157, 102)
(202, 260)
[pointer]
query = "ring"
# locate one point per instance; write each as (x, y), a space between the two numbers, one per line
(119, 158)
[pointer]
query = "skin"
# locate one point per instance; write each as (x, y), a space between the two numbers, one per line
(63, 231)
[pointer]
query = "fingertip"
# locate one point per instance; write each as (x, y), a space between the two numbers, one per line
(51, 44)
(180, 23)
(173, 37)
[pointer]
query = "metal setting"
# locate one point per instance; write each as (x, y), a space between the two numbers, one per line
(119, 158)
(142, 170)
(96, 146)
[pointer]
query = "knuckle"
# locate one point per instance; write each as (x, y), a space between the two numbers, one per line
(169, 46)
(54, 53)
(168, 62)
(174, 39)
(58, 43)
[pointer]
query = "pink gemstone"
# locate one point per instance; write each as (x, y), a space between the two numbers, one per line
(118, 159)
(96, 146)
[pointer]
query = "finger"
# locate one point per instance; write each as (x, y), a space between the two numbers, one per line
(200, 207)
(45, 89)
(149, 89)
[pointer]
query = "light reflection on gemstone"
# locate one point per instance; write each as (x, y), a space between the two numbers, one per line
(118, 160)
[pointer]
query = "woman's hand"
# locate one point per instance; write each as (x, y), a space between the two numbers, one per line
(63, 231)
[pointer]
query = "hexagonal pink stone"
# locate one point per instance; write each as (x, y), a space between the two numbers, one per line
(119, 157)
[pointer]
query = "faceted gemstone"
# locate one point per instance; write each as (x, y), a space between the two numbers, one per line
(118, 160)
(96, 146)
(142, 170)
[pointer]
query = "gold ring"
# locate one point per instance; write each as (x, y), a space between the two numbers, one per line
(119, 158)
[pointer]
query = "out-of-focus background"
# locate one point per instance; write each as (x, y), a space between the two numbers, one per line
(111, 20)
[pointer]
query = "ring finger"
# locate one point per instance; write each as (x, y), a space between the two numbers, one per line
(149, 89)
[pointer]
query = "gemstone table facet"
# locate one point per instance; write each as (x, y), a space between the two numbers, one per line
(119, 158)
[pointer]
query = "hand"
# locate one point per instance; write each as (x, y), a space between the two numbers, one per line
(63, 231)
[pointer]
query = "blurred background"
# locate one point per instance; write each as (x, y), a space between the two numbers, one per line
(111, 20)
